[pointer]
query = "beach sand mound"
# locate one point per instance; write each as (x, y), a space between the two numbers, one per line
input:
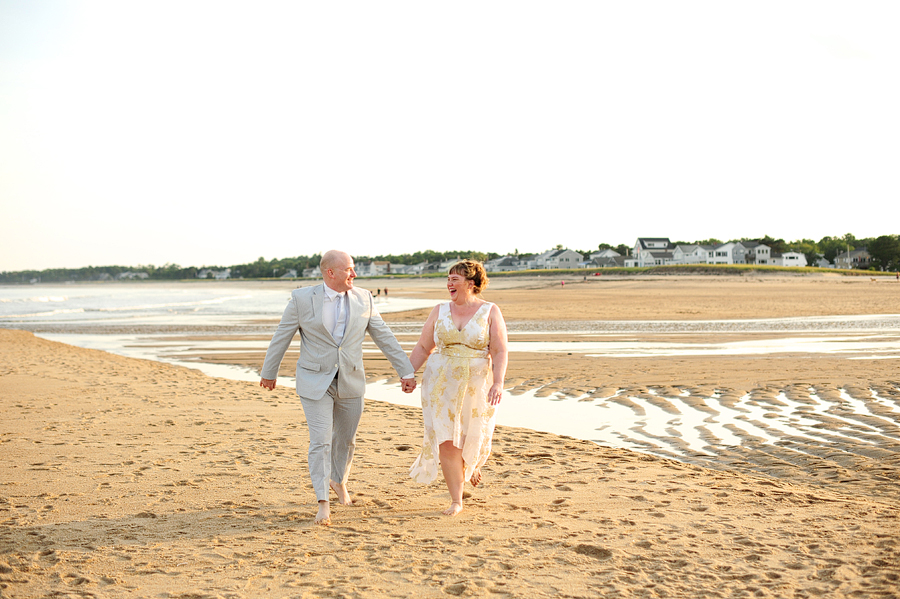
(130, 478)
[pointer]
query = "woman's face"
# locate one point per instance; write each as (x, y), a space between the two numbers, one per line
(459, 286)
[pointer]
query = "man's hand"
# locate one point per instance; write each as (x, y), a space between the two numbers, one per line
(267, 383)
(409, 385)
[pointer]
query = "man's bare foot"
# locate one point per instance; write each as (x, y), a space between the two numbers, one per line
(342, 494)
(454, 509)
(476, 478)
(323, 518)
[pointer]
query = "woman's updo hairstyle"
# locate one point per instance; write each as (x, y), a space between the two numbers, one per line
(472, 271)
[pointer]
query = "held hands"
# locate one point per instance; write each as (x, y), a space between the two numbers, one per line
(495, 394)
(409, 385)
(267, 383)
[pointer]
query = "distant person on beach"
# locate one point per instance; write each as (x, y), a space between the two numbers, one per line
(465, 345)
(333, 320)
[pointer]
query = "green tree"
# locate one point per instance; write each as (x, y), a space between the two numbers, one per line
(832, 246)
(778, 245)
(885, 252)
(808, 248)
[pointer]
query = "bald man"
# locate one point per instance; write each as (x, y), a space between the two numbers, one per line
(333, 319)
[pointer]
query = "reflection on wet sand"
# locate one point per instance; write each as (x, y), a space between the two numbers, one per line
(757, 395)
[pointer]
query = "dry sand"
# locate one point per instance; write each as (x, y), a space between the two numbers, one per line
(130, 478)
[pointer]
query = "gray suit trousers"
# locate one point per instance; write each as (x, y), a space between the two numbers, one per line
(333, 422)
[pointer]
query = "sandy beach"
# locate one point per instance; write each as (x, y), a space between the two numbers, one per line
(134, 478)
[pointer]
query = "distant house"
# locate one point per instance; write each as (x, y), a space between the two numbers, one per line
(398, 269)
(208, 273)
(416, 269)
(541, 260)
(859, 258)
(740, 252)
(560, 259)
(608, 258)
(755, 253)
(312, 273)
(422, 268)
(381, 268)
(527, 262)
(616, 261)
(789, 259)
(373, 269)
(290, 274)
(652, 251)
(821, 262)
(130, 276)
(446, 264)
(724, 254)
(690, 254)
(607, 253)
(503, 264)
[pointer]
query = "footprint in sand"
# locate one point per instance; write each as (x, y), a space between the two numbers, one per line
(593, 551)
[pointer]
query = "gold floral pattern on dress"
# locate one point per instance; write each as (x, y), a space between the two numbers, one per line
(455, 386)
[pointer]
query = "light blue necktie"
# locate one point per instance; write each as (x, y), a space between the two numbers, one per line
(338, 333)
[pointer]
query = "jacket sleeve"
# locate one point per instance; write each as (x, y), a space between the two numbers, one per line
(281, 340)
(386, 341)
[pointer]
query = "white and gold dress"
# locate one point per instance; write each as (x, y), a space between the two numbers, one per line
(455, 387)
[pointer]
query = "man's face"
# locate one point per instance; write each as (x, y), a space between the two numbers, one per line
(341, 274)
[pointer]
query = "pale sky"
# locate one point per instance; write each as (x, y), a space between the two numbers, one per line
(214, 132)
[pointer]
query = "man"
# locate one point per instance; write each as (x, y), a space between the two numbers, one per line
(333, 320)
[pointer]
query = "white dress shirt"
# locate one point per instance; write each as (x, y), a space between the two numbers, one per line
(330, 313)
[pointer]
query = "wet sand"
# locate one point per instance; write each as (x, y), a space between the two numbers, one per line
(132, 478)
(787, 411)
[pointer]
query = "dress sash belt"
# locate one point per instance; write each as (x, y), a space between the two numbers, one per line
(463, 351)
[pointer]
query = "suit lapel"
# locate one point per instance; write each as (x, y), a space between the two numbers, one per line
(350, 310)
(316, 306)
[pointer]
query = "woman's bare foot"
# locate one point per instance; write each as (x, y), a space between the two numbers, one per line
(323, 518)
(476, 478)
(455, 508)
(342, 494)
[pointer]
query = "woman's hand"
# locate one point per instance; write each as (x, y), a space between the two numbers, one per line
(495, 394)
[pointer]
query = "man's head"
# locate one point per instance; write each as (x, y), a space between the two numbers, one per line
(337, 270)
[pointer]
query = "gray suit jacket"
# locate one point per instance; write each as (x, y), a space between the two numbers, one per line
(320, 356)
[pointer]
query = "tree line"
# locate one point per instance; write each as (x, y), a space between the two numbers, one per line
(260, 269)
(884, 250)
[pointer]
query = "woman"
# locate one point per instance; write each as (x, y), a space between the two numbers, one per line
(462, 383)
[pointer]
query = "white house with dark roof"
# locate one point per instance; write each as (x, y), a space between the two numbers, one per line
(503, 264)
(607, 262)
(652, 251)
(756, 253)
(560, 259)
